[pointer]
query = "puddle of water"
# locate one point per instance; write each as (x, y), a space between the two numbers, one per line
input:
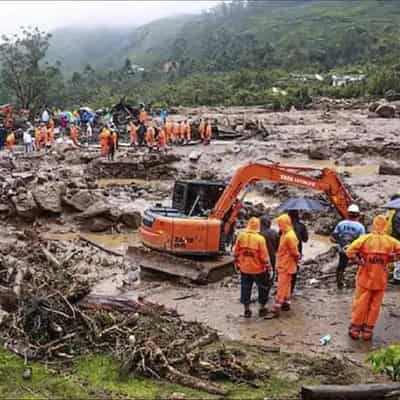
(360, 170)
(116, 242)
(122, 182)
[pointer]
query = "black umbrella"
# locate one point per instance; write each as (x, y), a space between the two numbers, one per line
(393, 205)
(301, 203)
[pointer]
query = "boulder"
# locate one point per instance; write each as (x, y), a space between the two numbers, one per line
(25, 206)
(318, 153)
(48, 197)
(350, 159)
(389, 168)
(97, 224)
(386, 111)
(95, 210)
(195, 155)
(373, 107)
(132, 219)
(81, 200)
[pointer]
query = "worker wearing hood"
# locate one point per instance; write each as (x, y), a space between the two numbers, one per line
(374, 252)
(252, 260)
(286, 263)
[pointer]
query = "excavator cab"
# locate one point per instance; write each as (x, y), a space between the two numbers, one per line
(195, 198)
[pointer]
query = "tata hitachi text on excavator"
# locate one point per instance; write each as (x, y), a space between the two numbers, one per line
(190, 238)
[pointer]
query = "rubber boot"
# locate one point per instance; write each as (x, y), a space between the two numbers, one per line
(367, 332)
(247, 312)
(355, 332)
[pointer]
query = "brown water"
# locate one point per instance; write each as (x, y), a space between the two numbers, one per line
(359, 170)
(122, 182)
(115, 242)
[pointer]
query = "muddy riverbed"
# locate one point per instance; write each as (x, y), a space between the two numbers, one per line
(346, 141)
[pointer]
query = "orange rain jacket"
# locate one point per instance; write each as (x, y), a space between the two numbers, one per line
(251, 253)
(133, 132)
(103, 138)
(38, 138)
(376, 250)
(162, 138)
(10, 141)
(150, 135)
(202, 129)
(288, 251)
(143, 116)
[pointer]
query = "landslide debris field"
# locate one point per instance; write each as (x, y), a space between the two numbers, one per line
(68, 290)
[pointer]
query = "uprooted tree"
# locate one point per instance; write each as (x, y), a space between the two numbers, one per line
(23, 72)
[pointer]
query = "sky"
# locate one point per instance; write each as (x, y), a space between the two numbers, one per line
(49, 15)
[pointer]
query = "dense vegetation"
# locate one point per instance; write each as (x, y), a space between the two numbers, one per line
(235, 54)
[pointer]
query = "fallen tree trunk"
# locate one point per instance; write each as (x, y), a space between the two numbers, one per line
(99, 246)
(351, 392)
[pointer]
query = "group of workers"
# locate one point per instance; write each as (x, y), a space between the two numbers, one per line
(260, 252)
(165, 133)
(154, 133)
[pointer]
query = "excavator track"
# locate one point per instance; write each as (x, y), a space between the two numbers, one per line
(195, 270)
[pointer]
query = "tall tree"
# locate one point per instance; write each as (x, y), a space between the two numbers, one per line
(22, 72)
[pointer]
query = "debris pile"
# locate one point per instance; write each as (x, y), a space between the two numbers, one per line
(142, 166)
(51, 315)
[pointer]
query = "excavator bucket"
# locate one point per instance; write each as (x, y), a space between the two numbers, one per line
(195, 270)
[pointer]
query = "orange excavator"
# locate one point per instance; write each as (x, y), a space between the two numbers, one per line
(200, 224)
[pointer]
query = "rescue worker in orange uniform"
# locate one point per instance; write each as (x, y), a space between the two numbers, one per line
(374, 252)
(188, 136)
(133, 133)
(50, 131)
(162, 140)
(74, 134)
(150, 136)
(253, 263)
(168, 131)
(43, 134)
(208, 133)
(286, 263)
(175, 132)
(143, 116)
(202, 130)
(182, 131)
(38, 138)
(10, 142)
(103, 138)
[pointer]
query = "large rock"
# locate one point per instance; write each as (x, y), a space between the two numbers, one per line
(318, 153)
(373, 107)
(132, 219)
(389, 168)
(195, 155)
(48, 197)
(25, 206)
(95, 210)
(81, 200)
(386, 111)
(350, 159)
(97, 224)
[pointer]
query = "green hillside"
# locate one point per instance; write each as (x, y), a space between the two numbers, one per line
(294, 34)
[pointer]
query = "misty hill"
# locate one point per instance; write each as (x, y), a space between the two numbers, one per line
(76, 47)
(297, 34)
(107, 48)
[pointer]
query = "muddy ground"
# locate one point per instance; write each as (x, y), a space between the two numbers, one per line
(72, 199)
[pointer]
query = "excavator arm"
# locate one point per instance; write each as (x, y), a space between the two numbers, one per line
(227, 207)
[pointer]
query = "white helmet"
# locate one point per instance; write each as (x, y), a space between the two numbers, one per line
(353, 209)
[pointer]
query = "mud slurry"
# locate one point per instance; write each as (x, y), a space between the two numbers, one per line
(354, 150)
